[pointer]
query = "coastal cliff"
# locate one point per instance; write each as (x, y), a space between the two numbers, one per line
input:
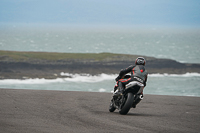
(21, 65)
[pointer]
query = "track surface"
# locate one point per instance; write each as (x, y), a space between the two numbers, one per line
(36, 111)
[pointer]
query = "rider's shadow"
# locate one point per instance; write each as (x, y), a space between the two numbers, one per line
(135, 114)
(138, 112)
(141, 114)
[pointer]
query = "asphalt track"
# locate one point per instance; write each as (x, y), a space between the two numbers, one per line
(37, 111)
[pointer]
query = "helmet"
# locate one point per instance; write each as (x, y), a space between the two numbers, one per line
(140, 61)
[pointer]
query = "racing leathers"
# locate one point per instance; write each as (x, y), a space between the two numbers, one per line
(138, 73)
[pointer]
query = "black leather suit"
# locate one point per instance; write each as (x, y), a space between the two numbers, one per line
(138, 73)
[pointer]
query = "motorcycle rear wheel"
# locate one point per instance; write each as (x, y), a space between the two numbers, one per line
(127, 104)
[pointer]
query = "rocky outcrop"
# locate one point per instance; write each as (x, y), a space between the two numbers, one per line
(11, 68)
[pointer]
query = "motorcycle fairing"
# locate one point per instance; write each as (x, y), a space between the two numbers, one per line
(135, 84)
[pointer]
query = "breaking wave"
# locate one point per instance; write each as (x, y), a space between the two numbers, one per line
(87, 78)
(175, 75)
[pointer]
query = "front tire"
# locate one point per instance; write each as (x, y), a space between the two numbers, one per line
(111, 107)
(127, 104)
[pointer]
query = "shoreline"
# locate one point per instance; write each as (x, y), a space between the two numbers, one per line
(70, 75)
(106, 92)
(55, 111)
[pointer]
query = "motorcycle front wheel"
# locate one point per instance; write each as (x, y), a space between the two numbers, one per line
(111, 107)
(126, 104)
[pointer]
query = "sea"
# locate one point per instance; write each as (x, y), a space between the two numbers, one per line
(180, 44)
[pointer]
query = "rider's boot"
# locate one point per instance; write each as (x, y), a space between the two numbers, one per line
(115, 88)
(119, 90)
(138, 98)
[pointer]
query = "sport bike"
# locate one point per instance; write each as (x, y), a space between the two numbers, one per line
(128, 98)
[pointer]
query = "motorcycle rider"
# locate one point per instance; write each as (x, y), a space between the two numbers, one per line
(138, 73)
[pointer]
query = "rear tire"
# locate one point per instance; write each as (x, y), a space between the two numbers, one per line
(111, 107)
(125, 107)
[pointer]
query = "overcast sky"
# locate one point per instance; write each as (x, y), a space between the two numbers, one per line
(102, 12)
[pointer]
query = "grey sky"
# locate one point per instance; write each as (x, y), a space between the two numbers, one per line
(102, 12)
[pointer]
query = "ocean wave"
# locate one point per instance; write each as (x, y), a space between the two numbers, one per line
(30, 81)
(175, 75)
(87, 78)
(102, 90)
(103, 76)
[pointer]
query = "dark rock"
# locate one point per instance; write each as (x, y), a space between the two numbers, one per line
(47, 69)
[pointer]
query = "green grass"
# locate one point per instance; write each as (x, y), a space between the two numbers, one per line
(17, 56)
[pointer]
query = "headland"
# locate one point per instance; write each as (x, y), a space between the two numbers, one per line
(22, 65)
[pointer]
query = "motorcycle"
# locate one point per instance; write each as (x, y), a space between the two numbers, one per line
(128, 99)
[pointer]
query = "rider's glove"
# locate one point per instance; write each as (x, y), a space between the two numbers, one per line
(144, 84)
(118, 78)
